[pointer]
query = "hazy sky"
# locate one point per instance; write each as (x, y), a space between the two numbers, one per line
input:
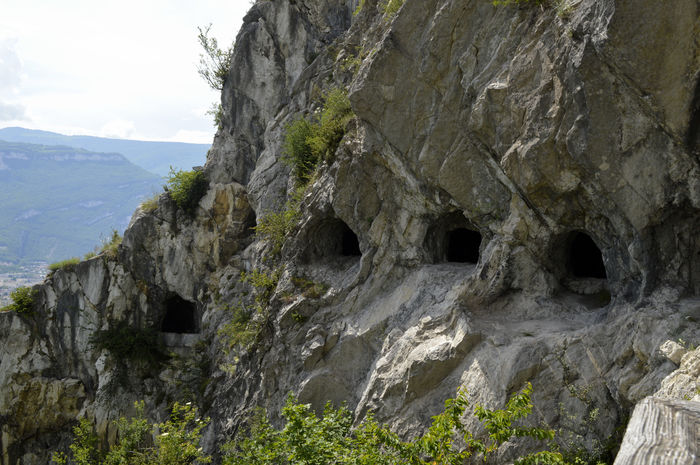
(118, 68)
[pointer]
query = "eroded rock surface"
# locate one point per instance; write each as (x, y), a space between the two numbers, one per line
(564, 140)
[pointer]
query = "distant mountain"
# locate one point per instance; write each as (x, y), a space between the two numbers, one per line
(156, 157)
(57, 202)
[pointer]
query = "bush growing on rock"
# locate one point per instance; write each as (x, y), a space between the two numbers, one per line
(64, 264)
(22, 301)
(307, 143)
(186, 188)
(125, 342)
(331, 439)
(175, 442)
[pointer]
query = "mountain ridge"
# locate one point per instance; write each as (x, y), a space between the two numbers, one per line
(153, 156)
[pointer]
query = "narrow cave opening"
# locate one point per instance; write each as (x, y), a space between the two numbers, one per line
(692, 137)
(350, 243)
(585, 259)
(329, 240)
(463, 245)
(180, 316)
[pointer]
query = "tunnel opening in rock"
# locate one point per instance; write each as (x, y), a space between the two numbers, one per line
(453, 239)
(350, 243)
(180, 316)
(463, 246)
(585, 259)
(692, 138)
(332, 238)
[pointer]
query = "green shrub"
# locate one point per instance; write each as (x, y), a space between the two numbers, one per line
(22, 301)
(246, 322)
(150, 204)
(330, 127)
(64, 264)
(216, 111)
(391, 7)
(127, 343)
(274, 226)
(186, 188)
(214, 63)
(307, 143)
(308, 439)
(175, 442)
(359, 8)
(110, 246)
(241, 331)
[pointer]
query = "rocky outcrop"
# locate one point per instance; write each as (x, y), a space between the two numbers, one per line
(523, 189)
(660, 432)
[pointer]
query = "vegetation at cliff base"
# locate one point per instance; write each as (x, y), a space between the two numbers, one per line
(186, 188)
(174, 442)
(306, 143)
(22, 301)
(308, 439)
(330, 439)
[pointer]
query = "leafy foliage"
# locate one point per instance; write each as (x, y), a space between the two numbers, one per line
(307, 143)
(391, 7)
(150, 204)
(176, 441)
(110, 246)
(274, 226)
(64, 264)
(22, 301)
(125, 342)
(214, 63)
(246, 322)
(187, 188)
(310, 440)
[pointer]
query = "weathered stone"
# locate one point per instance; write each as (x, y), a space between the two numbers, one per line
(521, 124)
(662, 432)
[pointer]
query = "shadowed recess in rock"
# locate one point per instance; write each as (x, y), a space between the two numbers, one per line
(332, 238)
(585, 259)
(180, 316)
(463, 245)
(351, 244)
(692, 138)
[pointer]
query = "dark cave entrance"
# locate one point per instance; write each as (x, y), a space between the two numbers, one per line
(453, 239)
(585, 260)
(463, 245)
(332, 239)
(180, 316)
(692, 137)
(350, 243)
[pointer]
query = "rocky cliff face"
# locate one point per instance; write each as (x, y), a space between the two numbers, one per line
(523, 187)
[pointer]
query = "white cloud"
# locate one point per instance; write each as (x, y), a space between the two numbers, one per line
(12, 112)
(117, 68)
(196, 137)
(10, 65)
(119, 129)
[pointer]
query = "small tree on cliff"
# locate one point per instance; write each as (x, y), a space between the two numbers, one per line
(214, 63)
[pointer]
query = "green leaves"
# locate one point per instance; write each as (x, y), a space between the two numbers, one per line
(214, 63)
(187, 188)
(307, 143)
(307, 439)
(176, 441)
(22, 301)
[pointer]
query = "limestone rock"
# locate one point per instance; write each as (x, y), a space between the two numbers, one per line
(517, 199)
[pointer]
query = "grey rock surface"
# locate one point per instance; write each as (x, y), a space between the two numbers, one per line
(564, 140)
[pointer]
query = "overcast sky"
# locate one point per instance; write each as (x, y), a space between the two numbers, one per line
(115, 68)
